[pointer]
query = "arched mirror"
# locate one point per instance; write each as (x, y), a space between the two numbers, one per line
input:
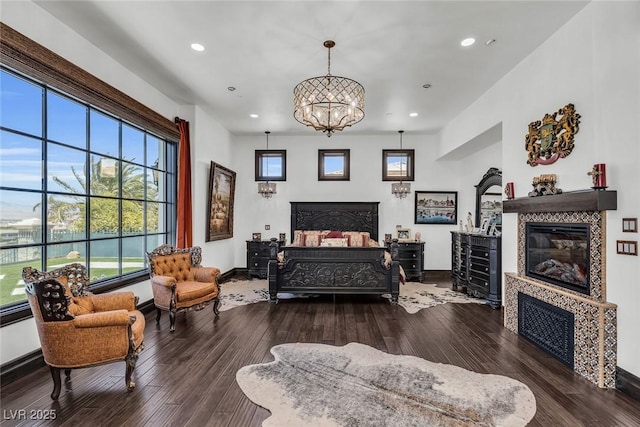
(489, 199)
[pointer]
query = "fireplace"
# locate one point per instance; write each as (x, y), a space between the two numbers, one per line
(565, 313)
(559, 254)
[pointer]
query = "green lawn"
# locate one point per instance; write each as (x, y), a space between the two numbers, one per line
(13, 273)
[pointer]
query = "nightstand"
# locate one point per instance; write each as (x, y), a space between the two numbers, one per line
(258, 257)
(411, 258)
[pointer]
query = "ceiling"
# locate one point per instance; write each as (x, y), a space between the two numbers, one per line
(264, 48)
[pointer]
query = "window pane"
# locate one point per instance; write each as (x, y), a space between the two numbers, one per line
(21, 104)
(333, 165)
(104, 177)
(156, 189)
(104, 134)
(154, 217)
(11, 263)
(153, 242)
(132, 181)
(132, 217)
(133, 254)
(272, 166)
(20, 161)
(154, 148)
(132, 144)
(104, 218)
(21, 221)
(62, 254)
(66, 218)
(105, 260)
(65, 169)
(397, 165)
(66, 121)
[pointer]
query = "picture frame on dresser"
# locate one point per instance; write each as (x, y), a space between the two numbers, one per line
(436, 207)
(404, 234)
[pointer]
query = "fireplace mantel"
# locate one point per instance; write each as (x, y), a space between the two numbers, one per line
(585, 200)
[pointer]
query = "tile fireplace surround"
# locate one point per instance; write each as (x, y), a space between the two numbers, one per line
(595, 324)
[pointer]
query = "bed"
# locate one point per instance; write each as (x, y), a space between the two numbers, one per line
(334, 270)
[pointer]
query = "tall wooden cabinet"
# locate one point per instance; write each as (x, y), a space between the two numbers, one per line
(476, 266)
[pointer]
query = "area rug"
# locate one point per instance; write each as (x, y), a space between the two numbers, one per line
(413, 296)
(357, 385)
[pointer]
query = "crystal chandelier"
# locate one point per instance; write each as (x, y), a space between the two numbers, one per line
(328, 103)
(401, 189)
(267, 189)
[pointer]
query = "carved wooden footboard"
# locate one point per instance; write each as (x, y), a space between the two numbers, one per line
(334, 270)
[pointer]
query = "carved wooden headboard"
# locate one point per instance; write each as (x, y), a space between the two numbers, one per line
(342, 216)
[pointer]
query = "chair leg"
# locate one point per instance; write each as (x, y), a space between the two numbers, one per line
(216, 306)
(67, 374)
(131, 365)
(158, 315)
(57, 383)
(172, 321)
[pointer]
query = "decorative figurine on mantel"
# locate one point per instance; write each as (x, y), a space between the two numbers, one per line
(544, 185)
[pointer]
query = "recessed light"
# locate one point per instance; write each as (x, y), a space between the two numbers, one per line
(467, 42)
(253, 116)
(490, 42)
(413, 114)
(231, 88)
(426, 85)
(197, 47)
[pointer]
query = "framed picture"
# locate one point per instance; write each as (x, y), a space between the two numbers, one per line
(387, 238)
(222, 188)
(484, 226)
(256, 237)
(436, 207)
(404, 234)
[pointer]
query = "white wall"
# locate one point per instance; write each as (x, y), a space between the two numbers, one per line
(593, 62)
(252, 212)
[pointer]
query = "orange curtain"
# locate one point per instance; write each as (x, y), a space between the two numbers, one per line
(184, 228)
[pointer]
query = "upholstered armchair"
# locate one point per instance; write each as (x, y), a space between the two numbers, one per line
(179, 283)
(78, 329)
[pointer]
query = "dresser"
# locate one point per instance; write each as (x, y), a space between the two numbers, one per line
(411, 258)
(476, 266)
(258, 257)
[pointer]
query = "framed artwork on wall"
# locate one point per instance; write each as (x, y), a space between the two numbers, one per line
(222, 188)
(436, 207)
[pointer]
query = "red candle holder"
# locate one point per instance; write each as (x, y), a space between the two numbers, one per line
(599, 176)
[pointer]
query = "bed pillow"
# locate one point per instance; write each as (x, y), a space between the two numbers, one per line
(311, 239)
(335, 242)
(334, 234)
(358, 239)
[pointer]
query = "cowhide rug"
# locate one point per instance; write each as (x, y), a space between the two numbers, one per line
(357, 385)
(413, 296)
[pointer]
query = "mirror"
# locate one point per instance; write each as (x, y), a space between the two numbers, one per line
(489, 199)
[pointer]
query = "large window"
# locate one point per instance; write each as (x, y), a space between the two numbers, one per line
(77, 184)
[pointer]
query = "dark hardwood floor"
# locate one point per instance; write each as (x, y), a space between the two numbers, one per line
(188, 378)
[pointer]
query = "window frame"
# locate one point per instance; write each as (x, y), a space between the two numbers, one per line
(410, 174)
(260, 155)
(346, 173)
(27, 59)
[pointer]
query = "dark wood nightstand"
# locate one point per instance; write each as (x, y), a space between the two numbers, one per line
(258, 257)
(411, 258)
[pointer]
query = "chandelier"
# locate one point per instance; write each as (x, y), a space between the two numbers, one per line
(401, 189)
(267, 189)
(328, 103)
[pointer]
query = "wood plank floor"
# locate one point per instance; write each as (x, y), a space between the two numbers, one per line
(188, 378)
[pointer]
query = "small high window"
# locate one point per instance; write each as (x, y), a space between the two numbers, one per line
(398, 165)
(271, 165)
(333, 165)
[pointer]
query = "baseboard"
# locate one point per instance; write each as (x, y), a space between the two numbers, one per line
(436, 275)
(628, 383)
(22, 366)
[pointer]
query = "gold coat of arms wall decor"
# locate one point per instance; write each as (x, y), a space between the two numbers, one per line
(552, 137)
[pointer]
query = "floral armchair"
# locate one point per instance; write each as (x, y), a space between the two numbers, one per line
(78, 329)
(180, 284)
